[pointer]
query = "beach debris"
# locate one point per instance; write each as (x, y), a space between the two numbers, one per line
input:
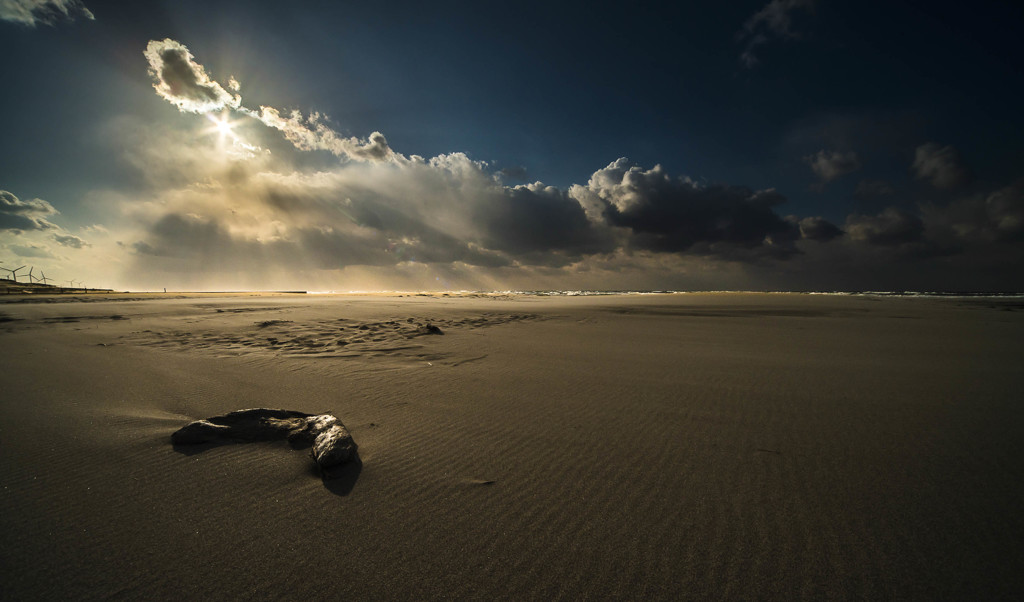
(330, 441)
(266, 323)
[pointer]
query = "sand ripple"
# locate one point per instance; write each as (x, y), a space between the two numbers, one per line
(340, 337)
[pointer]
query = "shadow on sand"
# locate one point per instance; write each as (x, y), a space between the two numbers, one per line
(339, 480)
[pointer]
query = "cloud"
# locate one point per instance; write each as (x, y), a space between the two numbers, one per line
(143, 247)
(215, 219)
(183, 82)
(873, 188)
(540, 224)
(70, 240)
(32, 250)
(964, 239)
(31, 12)
(891, 227)
(268, 216)
(311, 133)
(447, 210)
(678, 215)
(512, 173)
(774, 20)
(448, 222)
(829, 165)
(981, 219)
(818, 229)
(18, 215)
(941, 166)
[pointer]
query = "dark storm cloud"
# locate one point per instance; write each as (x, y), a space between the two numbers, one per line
(542, 223)
(986, 230)
(47, 12)
(183, 82)
(818, 229)
(982, 219)
(774, 20)
(891, 227)
(941, 166)
(974, 242)
(18, 215)
(678, 215)
(829, 165)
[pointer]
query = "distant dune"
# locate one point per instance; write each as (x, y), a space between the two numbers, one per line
(11, 287)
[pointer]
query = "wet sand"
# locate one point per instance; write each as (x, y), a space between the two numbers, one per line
(729, 446)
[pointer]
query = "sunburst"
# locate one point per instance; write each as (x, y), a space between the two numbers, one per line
(222, 126)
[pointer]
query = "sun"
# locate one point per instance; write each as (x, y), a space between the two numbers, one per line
(228, 140)
(222, 126)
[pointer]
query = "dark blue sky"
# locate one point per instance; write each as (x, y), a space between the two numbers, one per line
(555, 91)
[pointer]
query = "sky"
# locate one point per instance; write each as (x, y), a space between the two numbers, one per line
(334, 145)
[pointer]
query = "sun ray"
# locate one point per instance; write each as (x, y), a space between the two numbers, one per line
(222, 126)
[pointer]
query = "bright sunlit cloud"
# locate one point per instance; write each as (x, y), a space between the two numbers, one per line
(183, 82)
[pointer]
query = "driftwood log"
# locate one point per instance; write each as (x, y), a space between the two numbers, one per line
(331, 442)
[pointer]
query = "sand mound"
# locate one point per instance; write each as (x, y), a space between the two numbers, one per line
(331, 441)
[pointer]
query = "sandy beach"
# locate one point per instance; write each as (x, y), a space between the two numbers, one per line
(684, 446)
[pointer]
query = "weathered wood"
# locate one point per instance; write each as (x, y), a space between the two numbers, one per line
(332, 443)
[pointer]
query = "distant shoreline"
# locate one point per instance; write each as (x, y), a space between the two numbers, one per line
(34, 289)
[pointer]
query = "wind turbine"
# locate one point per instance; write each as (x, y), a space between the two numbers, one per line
(31, 278)
(14, 272)
(43, 278)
